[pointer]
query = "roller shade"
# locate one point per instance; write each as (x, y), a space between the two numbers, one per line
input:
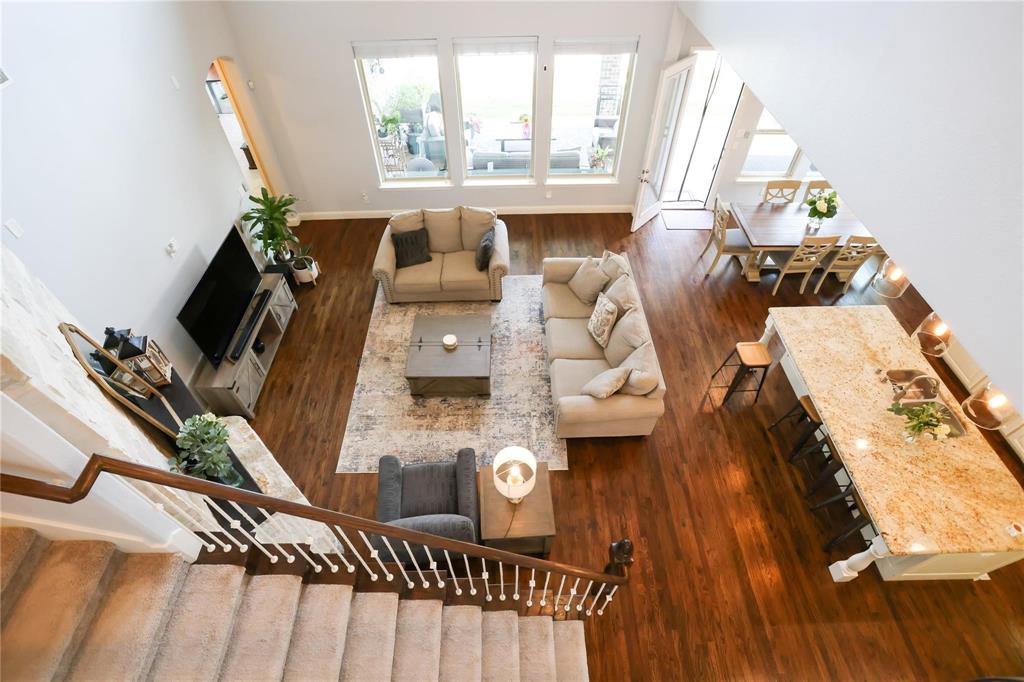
(596, 46)
(491, 46)
(394, 48)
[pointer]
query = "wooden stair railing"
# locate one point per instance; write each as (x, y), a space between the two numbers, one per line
(310, 530)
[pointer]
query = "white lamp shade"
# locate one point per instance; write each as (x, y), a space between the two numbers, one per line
(891, 282)
(933, 335)
(515, 472)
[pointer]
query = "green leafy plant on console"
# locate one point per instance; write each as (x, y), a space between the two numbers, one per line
(268, 223)
(203, 450)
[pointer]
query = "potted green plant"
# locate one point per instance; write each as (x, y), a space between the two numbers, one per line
(203, 450)
(304, 267)
(389, 124)
(922, 420)
(599, 157)
(269, 225)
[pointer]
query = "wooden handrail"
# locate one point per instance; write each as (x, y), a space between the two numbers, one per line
(616, 572)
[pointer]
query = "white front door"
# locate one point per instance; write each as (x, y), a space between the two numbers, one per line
(668, 105)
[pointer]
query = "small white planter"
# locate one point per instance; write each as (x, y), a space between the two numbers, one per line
(307, 275)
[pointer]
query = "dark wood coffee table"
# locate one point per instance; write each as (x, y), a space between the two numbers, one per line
(432, 370)
(524, 528)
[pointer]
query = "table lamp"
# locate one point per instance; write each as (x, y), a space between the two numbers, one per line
(515, 472)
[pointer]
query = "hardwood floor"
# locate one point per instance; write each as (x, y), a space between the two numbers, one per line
(730, 581)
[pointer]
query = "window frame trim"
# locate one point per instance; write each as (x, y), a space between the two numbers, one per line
(627, 91)
(383, 181)
(492, 180)
(788, 174)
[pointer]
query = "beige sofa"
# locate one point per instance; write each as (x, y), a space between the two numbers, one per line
(575, 358)
(451, 274)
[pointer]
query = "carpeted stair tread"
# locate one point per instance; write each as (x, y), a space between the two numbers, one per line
(263, 627)
(536, 649)
(501, 646)
(461, 643)
(55, 608)
(201, 621)
(20, 551)
(570, 651)
(129, 623)
(417, 640)
(318, 639)
(370, 641)
(500, 652)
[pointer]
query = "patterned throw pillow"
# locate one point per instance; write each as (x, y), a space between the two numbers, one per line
(588, 281)
(606, 383)
(602, 320)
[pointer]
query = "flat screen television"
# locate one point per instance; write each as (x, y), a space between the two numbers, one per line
(217, 305)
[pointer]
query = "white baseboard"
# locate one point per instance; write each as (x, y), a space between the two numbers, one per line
(508, 210)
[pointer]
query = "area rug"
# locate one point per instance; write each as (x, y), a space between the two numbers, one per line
(385, 419)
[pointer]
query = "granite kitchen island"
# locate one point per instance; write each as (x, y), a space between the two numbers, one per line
(942, 509)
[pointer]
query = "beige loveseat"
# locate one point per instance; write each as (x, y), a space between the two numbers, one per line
(451, 274)
(575, 358)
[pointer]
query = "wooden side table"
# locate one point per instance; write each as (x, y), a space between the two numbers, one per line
(524, 528)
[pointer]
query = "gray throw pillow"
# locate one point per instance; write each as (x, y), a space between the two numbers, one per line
(622, 292)
(485, 250)
(643, 371)
(588, 281)
(411, 248)
(606, 383)
(628, 334)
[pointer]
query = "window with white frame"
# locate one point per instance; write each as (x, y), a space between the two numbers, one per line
(772, 152)
(496, 79)
(402, 94)
(591, 90)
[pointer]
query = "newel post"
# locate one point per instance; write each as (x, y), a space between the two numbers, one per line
(620, 557)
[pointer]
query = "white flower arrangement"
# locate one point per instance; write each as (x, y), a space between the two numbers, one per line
(823, 205)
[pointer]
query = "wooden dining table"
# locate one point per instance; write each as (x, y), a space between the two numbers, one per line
(781, 227)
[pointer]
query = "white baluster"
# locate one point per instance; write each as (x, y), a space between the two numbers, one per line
(607, 598)
(451, 571)
(242, 547)
(846, 570)
(596, 597)
(579, 607)
(401, 567)
(208, 546)
(415, 564)
(375, 555)
(331, 565)
(515, 590)
(544, 592)
(273, 557)
(190, 512)
(501, 581)
(362, 561)
(532, 583)
(275, 521)
(559, 596)
(483, 574)
(572, 594)
(289, 558)
(469, 576)
(432, 565)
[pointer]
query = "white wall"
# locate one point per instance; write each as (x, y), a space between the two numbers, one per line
(104, 160)
(300, 56)
(113, 511)
(913, 111)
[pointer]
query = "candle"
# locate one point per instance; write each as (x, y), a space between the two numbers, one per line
(449, 341)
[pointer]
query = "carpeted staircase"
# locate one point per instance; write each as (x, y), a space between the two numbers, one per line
(82, 610)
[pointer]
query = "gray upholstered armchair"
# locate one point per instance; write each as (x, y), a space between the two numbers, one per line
(438, 498)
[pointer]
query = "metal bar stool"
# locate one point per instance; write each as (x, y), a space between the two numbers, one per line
(749, 357)
(807, 416)
(847, 493)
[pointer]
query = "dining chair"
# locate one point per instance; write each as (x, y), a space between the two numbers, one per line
(805, 259)
(848, 260)
(816, 187)
(781, 190)
(726, 242)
